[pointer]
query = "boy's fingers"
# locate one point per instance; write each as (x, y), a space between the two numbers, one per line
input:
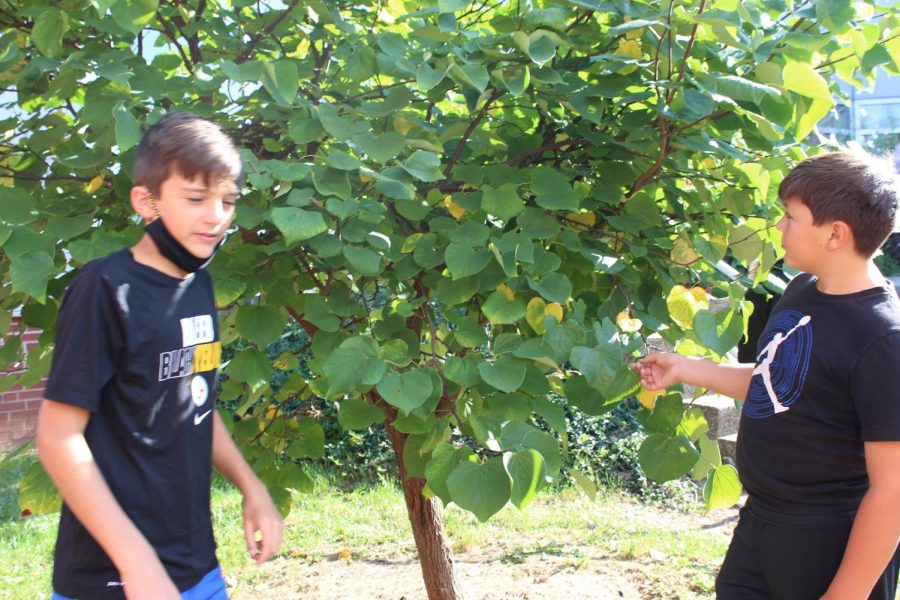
(250, 537)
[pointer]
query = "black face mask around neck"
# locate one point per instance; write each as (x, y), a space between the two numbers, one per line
(174, 251)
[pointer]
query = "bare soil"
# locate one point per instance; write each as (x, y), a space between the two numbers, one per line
(503, 570)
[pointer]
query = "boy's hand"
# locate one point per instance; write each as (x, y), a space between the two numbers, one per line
(659, 371)
(260, 515)
(149, 582)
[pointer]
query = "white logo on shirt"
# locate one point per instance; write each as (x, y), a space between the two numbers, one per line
(197, 330)
(199, 418)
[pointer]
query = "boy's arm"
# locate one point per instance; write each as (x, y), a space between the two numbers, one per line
(876, 529)
(70, 463)
(659, 371)
(260, 514)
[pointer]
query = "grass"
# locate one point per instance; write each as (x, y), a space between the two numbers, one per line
(371, 523)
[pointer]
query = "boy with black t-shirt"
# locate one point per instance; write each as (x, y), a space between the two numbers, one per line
(129, 431)
(819, 437)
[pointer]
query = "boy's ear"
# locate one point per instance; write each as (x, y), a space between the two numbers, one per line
(841, 236)
(140, 202)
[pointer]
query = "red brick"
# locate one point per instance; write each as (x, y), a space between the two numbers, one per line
(35, 393)
(10, 407)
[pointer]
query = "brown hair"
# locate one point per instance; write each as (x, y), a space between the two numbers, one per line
(852, 187)
(191, 146)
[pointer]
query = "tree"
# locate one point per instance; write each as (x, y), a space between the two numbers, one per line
(534, 187)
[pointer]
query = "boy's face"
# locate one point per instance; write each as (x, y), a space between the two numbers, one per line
(804, 243)
(196, 214)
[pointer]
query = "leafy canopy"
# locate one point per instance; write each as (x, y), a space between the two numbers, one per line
(468, 206)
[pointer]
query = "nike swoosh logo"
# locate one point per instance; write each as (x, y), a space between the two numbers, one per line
(199, 418)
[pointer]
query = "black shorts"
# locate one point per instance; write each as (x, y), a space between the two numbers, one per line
(780, 562)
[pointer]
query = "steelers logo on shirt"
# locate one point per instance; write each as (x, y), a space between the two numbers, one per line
(199, 390)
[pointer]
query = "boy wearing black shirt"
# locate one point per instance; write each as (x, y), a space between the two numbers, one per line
(128, 430)
(819, 436)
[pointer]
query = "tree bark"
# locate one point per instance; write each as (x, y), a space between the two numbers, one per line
(435, 557)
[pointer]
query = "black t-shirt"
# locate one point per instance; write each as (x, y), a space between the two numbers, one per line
(825, 382)
(141, 351)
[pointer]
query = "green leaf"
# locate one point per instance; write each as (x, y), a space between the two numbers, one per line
(364, 261)
(553, 190)
(133, 15)
(526, 469)
(482, 489)
(17, 207)
(516, 436)
(806, 81)
(710, 458)
(720, 331)
(499, 309)
(464, 371)
(355, 414)
(66, 228)
(308, 440)
(331, 182)
(354, 363)
(664, 458)
(29, 273)
(380, 148)
(407, 391)
(47, 33)
(503, 202)
(505, 373)
(474, 75)
(463, 261)
(542, 49)
(298, 225)
(555, 287)
(250, 366)
(281, 80)
(260, 324)
(128, 130)
(424, 166)
(667, 414)
(427, 78)
(585, 484)
(598, 365)
(37, 493)
(722, 488)
(443, 461)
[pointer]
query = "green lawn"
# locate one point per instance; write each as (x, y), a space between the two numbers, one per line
(371, 522)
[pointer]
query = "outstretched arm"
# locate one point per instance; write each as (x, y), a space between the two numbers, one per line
(876, 529)
(69, 461)
(260, 514)
(662, 370)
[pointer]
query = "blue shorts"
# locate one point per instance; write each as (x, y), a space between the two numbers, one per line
(211, 587)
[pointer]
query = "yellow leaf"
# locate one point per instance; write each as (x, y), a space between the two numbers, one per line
(683, 304)
(647, 398)
(556, 310)
(683, 253)
(581, 220)
(344, 554)
(510, 295)
(95, 184)
(455, 209)
(535, 312)
(626, 323)
(401, 125)
(629, 49)
(365, 178)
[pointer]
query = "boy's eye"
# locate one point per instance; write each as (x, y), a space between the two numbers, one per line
(229, 202)
(195, 198)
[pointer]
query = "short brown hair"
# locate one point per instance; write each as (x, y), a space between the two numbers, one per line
(191, 146)
(852, 187)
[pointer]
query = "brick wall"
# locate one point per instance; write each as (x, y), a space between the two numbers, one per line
(19, 407)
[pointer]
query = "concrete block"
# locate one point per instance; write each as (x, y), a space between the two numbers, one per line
(728, 447)
(720, 413)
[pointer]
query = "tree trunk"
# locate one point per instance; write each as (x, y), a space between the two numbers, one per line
(428, 530)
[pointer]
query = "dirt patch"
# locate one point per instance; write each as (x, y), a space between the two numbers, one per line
(520, 569)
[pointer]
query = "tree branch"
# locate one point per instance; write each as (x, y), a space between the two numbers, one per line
(459, 147)
(243, 56)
